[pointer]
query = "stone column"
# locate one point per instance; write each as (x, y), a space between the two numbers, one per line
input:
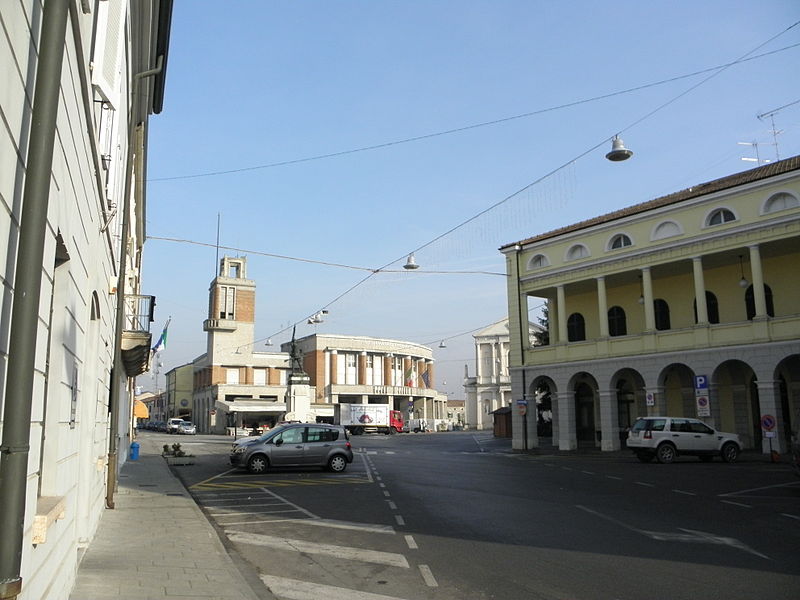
(758, 282)
(609, 421)
(362, 369)
(769, 403)
(334, 367)
(567, 435)
(562, 314)
(647, 292)
(700, 291)
(387, 369)
(602, 306)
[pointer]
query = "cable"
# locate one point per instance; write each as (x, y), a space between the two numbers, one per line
(477, 125)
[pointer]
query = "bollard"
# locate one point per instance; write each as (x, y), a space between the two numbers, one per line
(134, 450)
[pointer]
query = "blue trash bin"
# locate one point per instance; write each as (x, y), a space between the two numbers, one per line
(135, 451)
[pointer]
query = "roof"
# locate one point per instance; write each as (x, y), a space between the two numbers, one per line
(717, 185)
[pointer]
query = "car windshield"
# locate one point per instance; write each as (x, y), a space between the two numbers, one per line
(186, 424)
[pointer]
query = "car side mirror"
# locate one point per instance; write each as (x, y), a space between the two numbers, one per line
(279, 441)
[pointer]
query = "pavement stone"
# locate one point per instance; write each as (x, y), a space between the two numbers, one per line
(156, 543)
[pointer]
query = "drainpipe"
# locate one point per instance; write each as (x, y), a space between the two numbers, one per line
(27, 288)
(114, 398)
(523, 342)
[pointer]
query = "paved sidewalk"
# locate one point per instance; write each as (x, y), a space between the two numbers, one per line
(158, 544)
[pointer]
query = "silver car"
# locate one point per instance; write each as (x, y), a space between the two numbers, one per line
(295, 445)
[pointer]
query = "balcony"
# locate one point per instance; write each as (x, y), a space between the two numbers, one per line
(136, 337)
(219, 325)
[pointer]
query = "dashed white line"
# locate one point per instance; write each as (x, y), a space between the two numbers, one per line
(399, 519)
(645, 484)
(386, 493)
(293, 589)
(684, 493)
(383, 485)
(736, 503)
(791, 516)
(588, 472)
(392, 505)
(427, 575)
(613, 477)
(412, 544)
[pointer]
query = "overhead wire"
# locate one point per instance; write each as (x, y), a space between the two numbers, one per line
(427, 136)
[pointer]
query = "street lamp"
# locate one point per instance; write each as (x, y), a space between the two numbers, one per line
(618, 150)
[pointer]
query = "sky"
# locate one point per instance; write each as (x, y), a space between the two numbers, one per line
(319, 136)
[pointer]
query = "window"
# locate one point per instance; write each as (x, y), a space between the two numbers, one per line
(232, 376)
(780, 201)
(661, 309)
(711, 305)
(577, 251)
(666, 229)
(227, 301)
(321, 434)
(537, 262)
(619, 241)
(617, 324)
(750, 302)
(576, 328)
(259, 377)
(720, 216)
(291, 436)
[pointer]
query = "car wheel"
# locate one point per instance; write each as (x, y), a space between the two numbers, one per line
(666, 453)
(730, 452)
(337, 463)
(258, 463)
(706, 457)
(644, 457)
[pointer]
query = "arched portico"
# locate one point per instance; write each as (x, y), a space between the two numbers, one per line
(627, 403)
(735, 403)
(676, 382)
(585, 421)
(787, 376)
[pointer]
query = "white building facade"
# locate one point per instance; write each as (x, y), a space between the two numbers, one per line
(80, 80)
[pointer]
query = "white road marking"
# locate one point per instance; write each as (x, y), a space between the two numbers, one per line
(791, 516)
(684, 493)
(427, 575)
(399, 519)
(302, 510)
(390, 559)
(613, 477)
(688, 535)
(588, 472)
(334, 524)
(758, 489)
(392, 505)
(383, 485)
(261, 513)
(736, 503)
(292, 589)
(389, 452)
(411, 543)
(644, 484)
(386, 493)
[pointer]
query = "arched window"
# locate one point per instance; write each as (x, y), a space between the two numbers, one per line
(780, 201)
(666, 229)
(577, 251)
(711, 305)
(617, 324)
(750, 302)
(537, 262)
(576, 328)
(619, 241)
(661, 309)
(720, 216)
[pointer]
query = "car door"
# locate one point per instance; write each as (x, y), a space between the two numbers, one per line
(318, 445)
(680, 434)
(703, 437)
(288, 448)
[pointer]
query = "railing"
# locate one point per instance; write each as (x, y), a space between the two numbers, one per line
(139, 312)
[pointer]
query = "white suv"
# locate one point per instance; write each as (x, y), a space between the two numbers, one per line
(665, 438)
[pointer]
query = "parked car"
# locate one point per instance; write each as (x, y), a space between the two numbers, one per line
(295, 445)
(187, 428)
(173, 424)
(665, 438)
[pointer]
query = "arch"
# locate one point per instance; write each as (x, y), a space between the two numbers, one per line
(631, 404)
(676, 382)
(617, 322)
(666, 229)
(577, 251)
(787, 374)
(543, 389)
(734, 402)
(618, 241)
(750, 301)
(576, 328)
(661, 310)
(720, 216)
(587, 420)
(779, 201)
(712, 305)
(538, 261)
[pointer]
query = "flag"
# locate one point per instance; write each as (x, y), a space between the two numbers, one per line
(162, 341)
(426, 379)
(409, 378)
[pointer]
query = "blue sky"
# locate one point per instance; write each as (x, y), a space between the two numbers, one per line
(255, 83)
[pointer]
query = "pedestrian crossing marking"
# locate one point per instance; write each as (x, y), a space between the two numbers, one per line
(208, 486)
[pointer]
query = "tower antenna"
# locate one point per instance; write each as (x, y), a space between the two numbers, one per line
(775, 132)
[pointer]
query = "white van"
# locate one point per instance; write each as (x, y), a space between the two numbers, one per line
(172, 425)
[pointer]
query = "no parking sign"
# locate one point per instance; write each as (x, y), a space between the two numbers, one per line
(768, 422)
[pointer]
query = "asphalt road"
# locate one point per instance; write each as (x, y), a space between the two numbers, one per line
(459, 516)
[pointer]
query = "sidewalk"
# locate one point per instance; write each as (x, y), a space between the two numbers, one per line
(157, 543)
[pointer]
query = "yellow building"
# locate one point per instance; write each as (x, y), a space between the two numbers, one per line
(686, 305)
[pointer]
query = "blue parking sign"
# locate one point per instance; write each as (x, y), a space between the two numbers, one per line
(700, 382)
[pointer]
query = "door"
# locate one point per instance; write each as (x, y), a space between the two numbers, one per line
(318, 445)
(288, 448)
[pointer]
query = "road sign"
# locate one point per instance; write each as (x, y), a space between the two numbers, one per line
(703, 406)
(650, 399)
(768, 422)
(701, 382)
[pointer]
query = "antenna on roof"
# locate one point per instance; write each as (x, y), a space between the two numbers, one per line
(758, 158)
(775, 132)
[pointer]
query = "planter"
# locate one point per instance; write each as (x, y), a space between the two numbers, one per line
(179, 460)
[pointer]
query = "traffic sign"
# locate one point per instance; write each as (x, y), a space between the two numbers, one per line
(768, 422)
(701, 382)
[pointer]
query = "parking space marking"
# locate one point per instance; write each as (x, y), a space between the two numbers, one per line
(736, 503)
(400, 520)
(293, 589)
(210, 485)
(645, 484)
(427, 575)
(758, 489)
(684, 493)
(791, 516)
(412, 544)
(390, 559)
(614, 477)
